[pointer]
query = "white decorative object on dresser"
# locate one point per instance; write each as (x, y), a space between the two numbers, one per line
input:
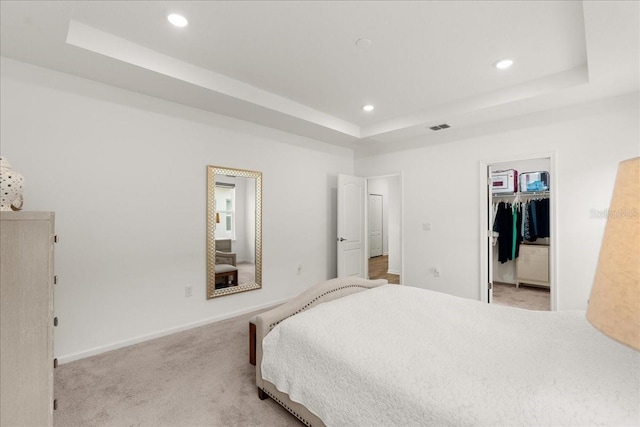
(26, 318)
(11, 183)
(532, 266)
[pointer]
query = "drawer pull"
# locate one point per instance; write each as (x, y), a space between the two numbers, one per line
(55, 321)
(55, 363)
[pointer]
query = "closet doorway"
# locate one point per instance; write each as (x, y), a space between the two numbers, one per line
(518, 252)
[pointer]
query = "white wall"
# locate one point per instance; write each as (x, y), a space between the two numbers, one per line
(441, 186)
(126, 177)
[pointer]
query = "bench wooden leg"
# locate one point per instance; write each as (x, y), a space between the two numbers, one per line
(252, 343)
(262, 395)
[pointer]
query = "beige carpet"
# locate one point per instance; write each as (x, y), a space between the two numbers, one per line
(246, 272)
(200, 377)
(529, 297)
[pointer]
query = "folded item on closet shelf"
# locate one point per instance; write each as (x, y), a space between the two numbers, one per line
(534, 181)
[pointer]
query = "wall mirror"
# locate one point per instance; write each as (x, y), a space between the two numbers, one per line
(234, 231)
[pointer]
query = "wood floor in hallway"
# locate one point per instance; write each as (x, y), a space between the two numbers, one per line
(379, 267)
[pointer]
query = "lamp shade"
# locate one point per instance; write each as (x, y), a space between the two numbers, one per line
(614, 305)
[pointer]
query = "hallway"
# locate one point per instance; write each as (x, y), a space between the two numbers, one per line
(379, 267)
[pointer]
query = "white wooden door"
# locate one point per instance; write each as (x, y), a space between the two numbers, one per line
(375, 225)
(489, 228)
(351, 226)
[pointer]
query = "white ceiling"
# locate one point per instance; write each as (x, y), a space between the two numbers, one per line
(295, 66)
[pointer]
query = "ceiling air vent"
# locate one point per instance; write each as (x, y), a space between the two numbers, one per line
(442, 126)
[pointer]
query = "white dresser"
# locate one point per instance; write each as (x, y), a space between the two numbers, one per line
(532, 266)
(26, 318)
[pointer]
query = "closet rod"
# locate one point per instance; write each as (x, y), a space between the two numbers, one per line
(527, 194)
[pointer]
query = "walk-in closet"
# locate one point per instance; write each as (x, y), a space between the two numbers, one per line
(521, 242)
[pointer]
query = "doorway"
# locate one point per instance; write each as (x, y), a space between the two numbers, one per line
(384, 228)
(353, 242)
(518, 263)
(375, 225)
(379, 269)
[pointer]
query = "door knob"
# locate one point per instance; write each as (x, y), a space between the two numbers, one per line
(341, 239)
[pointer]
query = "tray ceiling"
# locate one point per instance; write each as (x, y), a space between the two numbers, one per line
(295, 66)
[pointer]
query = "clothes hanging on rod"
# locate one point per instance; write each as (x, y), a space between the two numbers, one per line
(536, 220)
(516, 221)
(542, 214)
(506, 224)
(517, 226)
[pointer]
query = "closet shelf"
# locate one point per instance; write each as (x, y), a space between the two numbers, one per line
(523, 193)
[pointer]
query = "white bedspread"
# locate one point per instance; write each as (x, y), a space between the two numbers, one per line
(403, 356)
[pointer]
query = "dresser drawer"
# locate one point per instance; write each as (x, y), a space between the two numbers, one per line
(533, 264)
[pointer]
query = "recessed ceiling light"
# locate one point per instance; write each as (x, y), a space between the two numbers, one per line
(368, 108)
(178, 20)
(503, 64)
(363, 43)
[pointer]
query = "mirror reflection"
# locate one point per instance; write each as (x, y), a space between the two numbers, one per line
(234, 234)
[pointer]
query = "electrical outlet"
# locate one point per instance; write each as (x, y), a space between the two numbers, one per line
(299, 269)
(188, 291)
(436, 272)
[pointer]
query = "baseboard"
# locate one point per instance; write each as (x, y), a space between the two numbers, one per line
(142, 338)
(393, 272)
(502, 282)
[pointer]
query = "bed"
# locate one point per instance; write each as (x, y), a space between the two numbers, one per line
(359, 352)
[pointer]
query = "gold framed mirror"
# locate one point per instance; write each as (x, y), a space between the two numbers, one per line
(234, 231)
